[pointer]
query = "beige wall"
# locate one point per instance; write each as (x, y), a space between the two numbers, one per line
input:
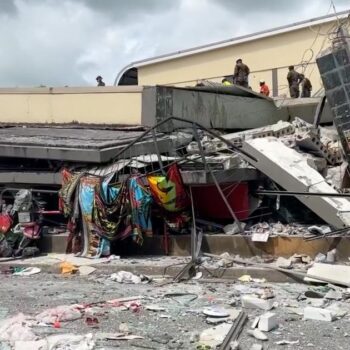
(260, 55)
(98, 105)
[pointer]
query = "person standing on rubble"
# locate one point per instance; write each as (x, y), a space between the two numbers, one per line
(294, 79)
(264, 89)
(99, 80)
(240, 75)
(306, 86)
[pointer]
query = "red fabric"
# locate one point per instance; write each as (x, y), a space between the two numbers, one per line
(182, 198)
(5, 223)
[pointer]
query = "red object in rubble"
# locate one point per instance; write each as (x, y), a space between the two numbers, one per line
(210, 205)
(5, 223)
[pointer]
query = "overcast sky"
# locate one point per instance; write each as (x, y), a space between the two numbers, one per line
(69, 42)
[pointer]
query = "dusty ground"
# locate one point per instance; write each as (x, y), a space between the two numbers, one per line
(182, 320)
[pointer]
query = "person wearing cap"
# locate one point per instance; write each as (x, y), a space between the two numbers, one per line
(306, 86)
(99, 80)
(240, 75)
(264, 89)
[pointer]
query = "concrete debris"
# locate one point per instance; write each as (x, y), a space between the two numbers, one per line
(128, 277)
(320, 258)
(318, 314)
(322, 230)
(256, 347)
(331, 256)
(267, 322)
(284, 263)
(63, 313)
(340, 274)
(334, 295)
(86, 270)
(214, 336)
(287, 342)
(154, 307)
(15, 329)
(233, 229)
(257, 334)
(252, 302)
(290, 170)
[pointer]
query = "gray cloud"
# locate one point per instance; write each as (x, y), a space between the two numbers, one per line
(127, 10)
(7, 7)
(70, 42)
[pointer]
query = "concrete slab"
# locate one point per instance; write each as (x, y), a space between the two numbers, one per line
(72, 144)
(339, 273)
(290, 170)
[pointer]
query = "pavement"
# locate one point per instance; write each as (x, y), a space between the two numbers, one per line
(168, 266)
(166, 316)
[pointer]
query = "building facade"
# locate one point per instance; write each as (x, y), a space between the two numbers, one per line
(267, 53)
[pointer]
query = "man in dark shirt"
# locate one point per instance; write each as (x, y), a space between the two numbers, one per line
(294, 79)
(240, 75)
(306, 86)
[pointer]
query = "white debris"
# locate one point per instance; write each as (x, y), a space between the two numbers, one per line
(267, 322)
(154, 307)
(287, 342)
(61, 313)
(315, 313)
(338, 273)
(214, 336)
(334, 295)
(16, 328)
(128, 277)
(283, 263)
(256, 347)
(257, 334)
(252, 302)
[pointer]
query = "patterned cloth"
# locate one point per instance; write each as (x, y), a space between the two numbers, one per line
(70, 182)
(140, 201)
(169, 191)
(93, 244)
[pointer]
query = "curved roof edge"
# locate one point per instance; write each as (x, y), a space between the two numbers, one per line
(122, 72)
(233, 41)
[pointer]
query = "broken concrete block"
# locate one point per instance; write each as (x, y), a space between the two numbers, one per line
(316, 163)
(267, 322)
(339, 274)
(331, 256)
(256, 347)
(252, 302)
(318, 314)
(283, 263)
(289, 169)
(334, 295)
(320, 258)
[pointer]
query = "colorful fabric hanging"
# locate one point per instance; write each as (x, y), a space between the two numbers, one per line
(93, 244)
(168, 191)
(69, 184)
(112, 219)
(140, 201)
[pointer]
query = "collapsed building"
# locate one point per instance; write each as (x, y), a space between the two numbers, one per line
(209, 159)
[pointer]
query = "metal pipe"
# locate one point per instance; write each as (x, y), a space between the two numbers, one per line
(183, 120)
(307, 194)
